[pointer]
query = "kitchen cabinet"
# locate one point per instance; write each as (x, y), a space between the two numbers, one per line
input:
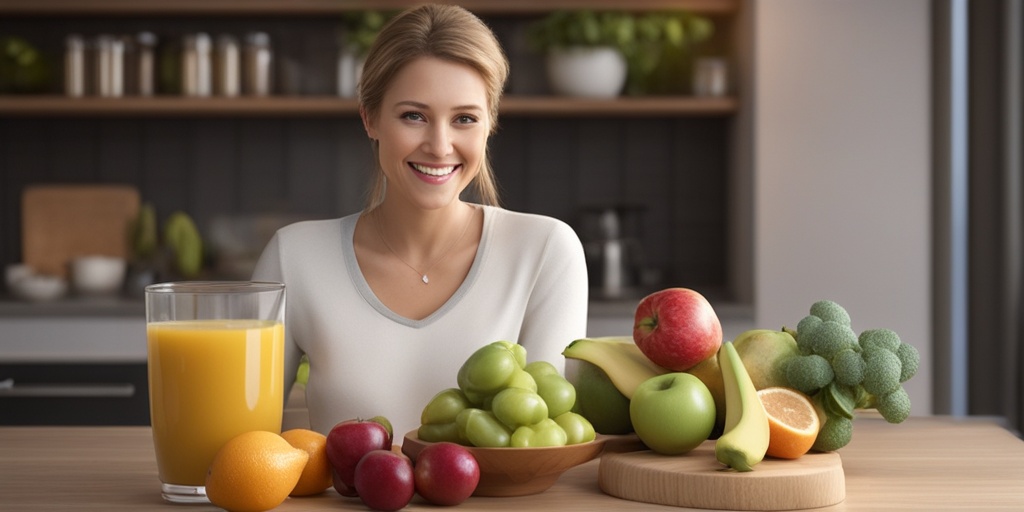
(73, 362)
(681, 157)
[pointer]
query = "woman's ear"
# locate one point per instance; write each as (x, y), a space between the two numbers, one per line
(367, 124)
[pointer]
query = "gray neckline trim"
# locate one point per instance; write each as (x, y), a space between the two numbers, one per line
(348, 229)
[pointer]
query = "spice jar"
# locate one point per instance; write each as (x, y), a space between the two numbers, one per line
(145, 64)
(109, 68)
(74, 66)
(258, 58)
(227, 76)
(196, 65)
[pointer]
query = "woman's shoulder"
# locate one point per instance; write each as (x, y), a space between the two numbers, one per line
(523, 228)
(514, 220)
(317, 228)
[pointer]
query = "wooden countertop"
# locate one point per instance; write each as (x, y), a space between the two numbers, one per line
(922, 464)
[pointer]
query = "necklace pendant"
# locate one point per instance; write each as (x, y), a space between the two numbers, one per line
(425, 280)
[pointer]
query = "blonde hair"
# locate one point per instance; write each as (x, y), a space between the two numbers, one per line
(446, 32)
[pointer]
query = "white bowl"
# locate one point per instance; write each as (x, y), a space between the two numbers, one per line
(39, 288)
(16, 272)
(97, 275)
(589, 72)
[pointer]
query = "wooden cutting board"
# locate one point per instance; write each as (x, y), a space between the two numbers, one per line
(60, 222)
(698, 480)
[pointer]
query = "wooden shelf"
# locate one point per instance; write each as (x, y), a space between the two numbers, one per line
(325, 106)
(316, 7)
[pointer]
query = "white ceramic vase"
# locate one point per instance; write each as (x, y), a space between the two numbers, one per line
(591, 72)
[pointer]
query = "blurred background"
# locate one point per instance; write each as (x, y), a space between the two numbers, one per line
(766, 153)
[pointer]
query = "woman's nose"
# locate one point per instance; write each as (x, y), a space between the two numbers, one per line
(438, 141)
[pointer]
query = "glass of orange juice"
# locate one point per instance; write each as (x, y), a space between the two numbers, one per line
(216, 370)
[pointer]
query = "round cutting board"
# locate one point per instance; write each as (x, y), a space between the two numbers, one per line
(698, 480)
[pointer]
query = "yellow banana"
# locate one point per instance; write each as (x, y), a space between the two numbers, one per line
(619, 357)
(745, 439)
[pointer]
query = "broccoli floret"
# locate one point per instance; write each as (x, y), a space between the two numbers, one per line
(828, 310)
(881, 371)
(809, 373)
(830, 338)
(805, 332)
(880, 338)
(894, 406)
(834, 434)
(848, 366)
(910, 359)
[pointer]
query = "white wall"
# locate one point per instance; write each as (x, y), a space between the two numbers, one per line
(842, 166)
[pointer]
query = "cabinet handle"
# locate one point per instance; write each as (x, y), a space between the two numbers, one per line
(115, 390)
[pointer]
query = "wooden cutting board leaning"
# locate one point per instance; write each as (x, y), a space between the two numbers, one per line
(61, 222)
(698, 480)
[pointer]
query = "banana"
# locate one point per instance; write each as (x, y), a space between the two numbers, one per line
(619, 357)
(745, 438)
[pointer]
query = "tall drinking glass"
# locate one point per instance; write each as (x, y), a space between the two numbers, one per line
(216, 370)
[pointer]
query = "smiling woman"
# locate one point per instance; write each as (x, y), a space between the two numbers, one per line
(386, 303)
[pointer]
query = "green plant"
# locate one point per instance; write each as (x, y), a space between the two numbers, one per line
(657, 45)
(360, 29)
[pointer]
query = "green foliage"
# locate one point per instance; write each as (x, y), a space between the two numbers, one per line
(656, 45)
(360, 29)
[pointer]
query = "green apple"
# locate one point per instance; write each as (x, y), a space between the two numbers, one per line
(597, 398)
(672, 413)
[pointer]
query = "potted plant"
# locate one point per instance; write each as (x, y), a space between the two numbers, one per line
(653, 50)
(358, 31)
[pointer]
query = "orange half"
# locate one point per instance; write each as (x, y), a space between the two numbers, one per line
(793, 422)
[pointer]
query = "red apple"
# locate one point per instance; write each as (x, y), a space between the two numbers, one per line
(676, 328)
(348, 441)
(384, 480)
(446, 473)
(339, 486)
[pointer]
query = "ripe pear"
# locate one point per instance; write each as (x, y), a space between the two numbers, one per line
(764, 353)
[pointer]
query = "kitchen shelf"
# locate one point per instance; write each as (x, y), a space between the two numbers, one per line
(320, 7)
(326, 106)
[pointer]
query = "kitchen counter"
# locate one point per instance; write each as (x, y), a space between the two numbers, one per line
(926, 463)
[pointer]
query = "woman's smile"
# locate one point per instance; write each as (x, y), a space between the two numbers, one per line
(434, 173)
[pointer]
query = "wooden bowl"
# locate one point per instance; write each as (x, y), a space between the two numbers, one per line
(518, 471)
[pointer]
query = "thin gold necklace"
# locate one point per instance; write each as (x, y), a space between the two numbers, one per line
(423, 275)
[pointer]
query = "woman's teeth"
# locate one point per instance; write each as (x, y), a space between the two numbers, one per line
(434, 171)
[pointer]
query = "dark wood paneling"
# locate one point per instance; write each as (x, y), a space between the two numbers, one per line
(674, 169)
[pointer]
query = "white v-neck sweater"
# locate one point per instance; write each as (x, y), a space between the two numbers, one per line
(527, 284)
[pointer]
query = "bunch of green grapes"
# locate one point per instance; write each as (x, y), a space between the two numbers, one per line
(843, 371)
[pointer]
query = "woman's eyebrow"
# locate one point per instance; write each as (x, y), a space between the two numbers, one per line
(416, 104)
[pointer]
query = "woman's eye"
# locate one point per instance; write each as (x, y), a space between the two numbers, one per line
(465, 119)
(413, 116)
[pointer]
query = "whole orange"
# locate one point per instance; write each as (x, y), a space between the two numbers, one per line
(254, 472)
(316, 476)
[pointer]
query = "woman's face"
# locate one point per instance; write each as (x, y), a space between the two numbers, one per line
(432, 131)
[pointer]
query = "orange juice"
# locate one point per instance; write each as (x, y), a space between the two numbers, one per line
(211, 380)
